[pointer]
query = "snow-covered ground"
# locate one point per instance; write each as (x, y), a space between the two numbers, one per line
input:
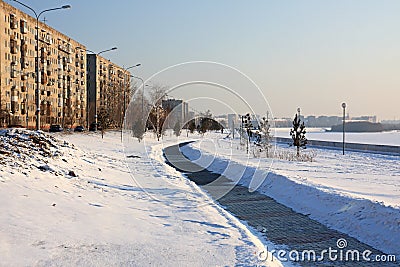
(358, 194)
(391, 138)
(76, 202)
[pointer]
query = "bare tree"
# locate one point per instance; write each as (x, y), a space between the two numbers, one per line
(138, 130)
(156, 120)
(157, 114)
(157, 94)
(134, 119)
(177, 128)
(103, 118)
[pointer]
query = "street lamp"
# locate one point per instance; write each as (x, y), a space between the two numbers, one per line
(124, 110)
(131, 67)
(37, 54)
(101, 52)
(344, 118)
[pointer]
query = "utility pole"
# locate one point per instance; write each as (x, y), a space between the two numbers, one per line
(233, 129)
(344, 122)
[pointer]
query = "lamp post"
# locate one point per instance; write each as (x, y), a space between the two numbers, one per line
(27, 112)
(344, 119)
(101, 52)
(241, 129)
(95, 95)
(125, 87)
(37, 15)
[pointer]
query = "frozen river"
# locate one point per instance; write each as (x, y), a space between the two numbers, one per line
(391, 138)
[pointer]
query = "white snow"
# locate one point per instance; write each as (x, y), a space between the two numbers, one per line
(126, 207)
(358, 194)
(112, 214)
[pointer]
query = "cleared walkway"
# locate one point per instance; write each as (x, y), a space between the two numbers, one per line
(279, 224)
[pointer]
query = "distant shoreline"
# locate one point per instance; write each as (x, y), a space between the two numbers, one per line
(387, 137)
(364, 127)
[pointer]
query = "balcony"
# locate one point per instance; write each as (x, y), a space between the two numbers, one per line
(13, 49)
(44, 78)
(24, 48)
(13, 22)
(13, 73)
(50, 82)
(48, 39)
(64, 48)
(24, 63)
(23, 26)
(14, 106)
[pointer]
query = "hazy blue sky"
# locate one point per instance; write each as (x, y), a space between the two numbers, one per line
(309, 53)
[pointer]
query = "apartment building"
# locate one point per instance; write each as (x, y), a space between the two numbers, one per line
(178, 112)
(108, 91)
(62, 73)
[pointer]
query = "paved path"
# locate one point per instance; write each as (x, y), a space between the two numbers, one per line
(277, 223)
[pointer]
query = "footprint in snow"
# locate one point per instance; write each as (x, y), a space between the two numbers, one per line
(96, 205)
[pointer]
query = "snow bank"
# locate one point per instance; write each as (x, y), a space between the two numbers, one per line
(369, 221)
(25, 150)
(80, 205)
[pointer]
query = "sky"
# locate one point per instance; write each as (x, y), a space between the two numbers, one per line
(311, 54)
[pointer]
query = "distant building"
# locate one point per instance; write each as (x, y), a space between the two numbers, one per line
(222, 120)
(233, 121)
(364, 118)
(178, 112)
(322, 121)
(283, 122)
(191, 115)
(107, 87)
